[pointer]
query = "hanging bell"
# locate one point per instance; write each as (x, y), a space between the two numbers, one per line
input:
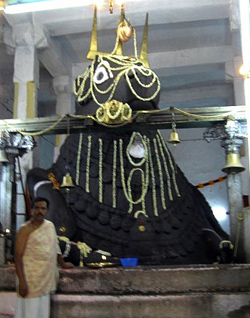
(233, 164)
(67, 181)
(174, 138)
(3, 157)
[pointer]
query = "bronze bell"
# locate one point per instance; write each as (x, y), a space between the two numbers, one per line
(174, 138)
(67, 181)
(3, 157)
(233, 164)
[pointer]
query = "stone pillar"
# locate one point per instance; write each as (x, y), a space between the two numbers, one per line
(232, 141)
(24, 41)
(63, 87)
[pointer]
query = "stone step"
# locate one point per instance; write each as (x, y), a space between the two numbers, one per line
(205, 305)
(221, 291)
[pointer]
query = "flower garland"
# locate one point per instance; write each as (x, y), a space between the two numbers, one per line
(163, 202)
(170, 163)
(88, 163)
(84, 248)
(145, 179)
(137, 213)
(52, 178)
(100, 171)
(114, 174)
(78, 159)
(129, 185)
(211, 182)
(153, 180)
(67, 246)
(166, 169)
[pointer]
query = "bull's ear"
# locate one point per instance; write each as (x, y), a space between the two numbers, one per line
(93, 50)
(144, 46)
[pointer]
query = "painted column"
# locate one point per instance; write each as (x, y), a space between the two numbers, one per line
(63, 87)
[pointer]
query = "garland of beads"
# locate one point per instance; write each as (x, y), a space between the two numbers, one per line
(136, 164)
(145, 181)
(78, 159)
(127, 66)
(163, 202)
(88, 163)
(114, 174)
(171, 164)
(153, 180)
(100, 171)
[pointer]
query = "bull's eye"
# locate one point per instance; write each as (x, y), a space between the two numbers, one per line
(102, 73)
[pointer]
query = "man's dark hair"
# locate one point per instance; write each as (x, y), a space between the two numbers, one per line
(40, 199)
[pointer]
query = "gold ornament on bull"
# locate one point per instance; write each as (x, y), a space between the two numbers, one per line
(124, 30)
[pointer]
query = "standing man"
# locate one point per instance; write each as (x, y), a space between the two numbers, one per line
(37, 254)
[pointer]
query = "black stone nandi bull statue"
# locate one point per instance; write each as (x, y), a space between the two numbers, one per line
(130, 198)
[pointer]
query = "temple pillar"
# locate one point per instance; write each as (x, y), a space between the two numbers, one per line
(64, 104)
(24, 41)
(232, 142)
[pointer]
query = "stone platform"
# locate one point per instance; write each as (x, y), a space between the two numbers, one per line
(144, 292)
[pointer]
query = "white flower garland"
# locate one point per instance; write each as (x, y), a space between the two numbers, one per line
(88, 163)
(100, 171)
(78, 159)
(67, 246)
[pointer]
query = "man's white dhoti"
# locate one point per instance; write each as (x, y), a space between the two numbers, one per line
(38, 307)
(40, 271)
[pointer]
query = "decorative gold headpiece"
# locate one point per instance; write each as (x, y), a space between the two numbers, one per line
(118, 48)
